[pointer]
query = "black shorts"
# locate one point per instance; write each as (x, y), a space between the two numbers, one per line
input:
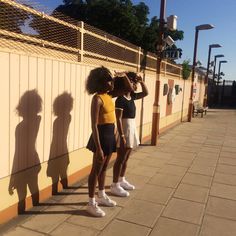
(107, 139)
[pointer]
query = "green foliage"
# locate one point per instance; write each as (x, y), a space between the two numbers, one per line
(186, 69)
(119, 17)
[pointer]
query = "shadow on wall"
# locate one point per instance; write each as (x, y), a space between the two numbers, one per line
(58, 157)
(26, 156)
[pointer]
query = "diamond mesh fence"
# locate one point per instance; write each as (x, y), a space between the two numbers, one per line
(27, 26)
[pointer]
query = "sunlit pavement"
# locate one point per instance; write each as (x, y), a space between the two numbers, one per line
(185, 186)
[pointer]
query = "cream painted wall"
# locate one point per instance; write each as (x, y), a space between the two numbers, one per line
(51, 78)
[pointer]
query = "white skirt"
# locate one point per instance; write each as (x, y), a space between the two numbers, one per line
(130, 132)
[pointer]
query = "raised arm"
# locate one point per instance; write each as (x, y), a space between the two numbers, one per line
(144, 92)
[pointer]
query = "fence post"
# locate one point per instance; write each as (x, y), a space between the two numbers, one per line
(82, 41)
(142, 101)
(139, 59)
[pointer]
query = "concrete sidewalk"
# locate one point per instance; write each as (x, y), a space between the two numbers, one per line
(185, 186)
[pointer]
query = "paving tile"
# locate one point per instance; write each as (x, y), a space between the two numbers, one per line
(191, 192)
(197, 179)
(160, 155)
(73, 230)
(170, 227)
(223, 190)
(133, 162)
(165, 180)
(203, 154)
(202, 169)
(145, 149)
(229, 149)
(76, 199)
(213, 226)
(214, 142)
(227, 169)
(205, 161)
(229, 142)
(193, 150)
(144, 171)
(221, 207)
(170, 149)
(141, 212)
(118, 228)
(180, 162)
(157, 194)
(227, 154)
(227, 161)
(224, 178)
(138, 155)
(192, 144)
(137, 180)
(49, 219)
(184, 210)
(21, 231)
(84, 219)
(214, 149)
(185, 155)
(173, 170)
(154, 162)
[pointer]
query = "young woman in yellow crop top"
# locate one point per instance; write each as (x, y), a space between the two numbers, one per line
(102, 141)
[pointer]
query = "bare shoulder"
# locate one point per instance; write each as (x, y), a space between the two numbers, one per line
(97, 100)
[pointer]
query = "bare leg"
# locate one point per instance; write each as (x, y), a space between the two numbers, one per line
(124, 165)
(93, 176)
(102, 174)
(118, 164)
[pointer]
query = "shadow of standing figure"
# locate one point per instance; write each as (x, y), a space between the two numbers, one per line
(59, 158)
(26, 156)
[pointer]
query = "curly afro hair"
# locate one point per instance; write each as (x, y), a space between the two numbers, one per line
(97, 79)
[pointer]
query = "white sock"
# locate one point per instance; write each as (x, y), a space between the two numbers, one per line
(92, 201)
(121, 179)
(101, 193)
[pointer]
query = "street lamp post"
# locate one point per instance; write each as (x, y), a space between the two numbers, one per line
(214, 71)
(156, 105)
(218, 76)
(197, 29)
(218, 80)
(207, 72)
(214, 86)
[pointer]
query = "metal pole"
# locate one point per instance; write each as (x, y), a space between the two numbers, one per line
(214, 72)
(206, 78)
(218, 84)
(190, 109)
(156, 105)
(218, 77)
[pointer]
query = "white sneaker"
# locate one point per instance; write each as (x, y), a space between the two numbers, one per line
(126, 185)
(95, 210)
(119, 191)
(106, 201)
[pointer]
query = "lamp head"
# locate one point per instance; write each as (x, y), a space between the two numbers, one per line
(219, 55)
(204, 27)
(215, 46)
(223, 61)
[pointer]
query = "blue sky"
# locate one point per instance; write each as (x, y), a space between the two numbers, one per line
(220, 13)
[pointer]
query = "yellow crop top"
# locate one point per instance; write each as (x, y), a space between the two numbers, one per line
(107, 111)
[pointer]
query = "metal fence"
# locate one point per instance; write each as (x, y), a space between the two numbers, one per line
(27, 26)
